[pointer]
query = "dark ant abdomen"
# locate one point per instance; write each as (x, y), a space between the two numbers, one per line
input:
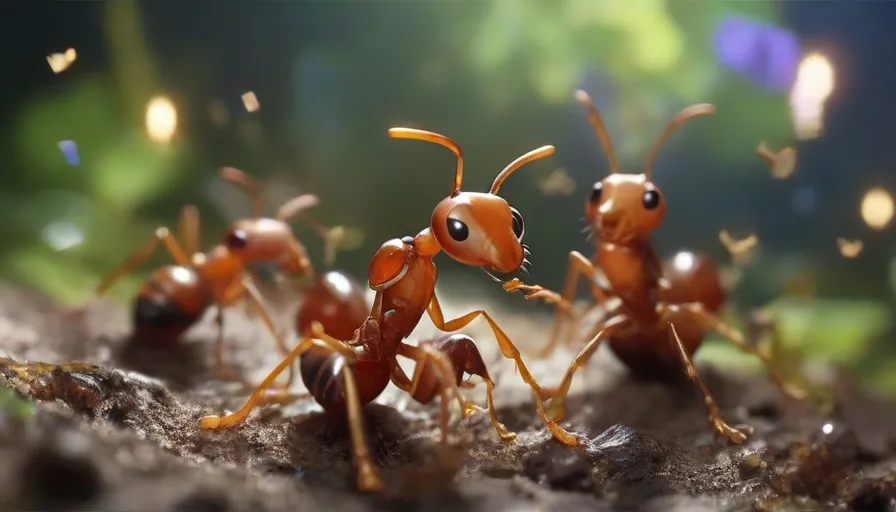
(321, 371)
(171, 301)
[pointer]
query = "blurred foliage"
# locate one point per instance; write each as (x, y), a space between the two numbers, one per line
(332, 76)
(826, 331)
(13, 406)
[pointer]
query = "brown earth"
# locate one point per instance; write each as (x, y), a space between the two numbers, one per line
(105, 437)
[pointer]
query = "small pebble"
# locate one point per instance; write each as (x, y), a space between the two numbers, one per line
(560, 467)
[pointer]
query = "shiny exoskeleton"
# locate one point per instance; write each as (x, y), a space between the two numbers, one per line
(654, 316)
(171, 300)
(477, 229)
(174, 297)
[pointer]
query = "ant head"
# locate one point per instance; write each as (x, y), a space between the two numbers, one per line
(624, 207)
(263, 239)
(266, 240)
(475, 228)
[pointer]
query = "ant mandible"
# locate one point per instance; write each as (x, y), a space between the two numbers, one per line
(174, 297)
(476, 229)
(642, 305)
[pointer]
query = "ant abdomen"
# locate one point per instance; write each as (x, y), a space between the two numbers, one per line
(337, 301)
(172, 300)
(463, 354)
(693, 277)
(321, 371)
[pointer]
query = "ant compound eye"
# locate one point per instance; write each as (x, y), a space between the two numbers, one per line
(458, 230)
(237, 239)
(519, 226)
(651, 199)
(596, 191)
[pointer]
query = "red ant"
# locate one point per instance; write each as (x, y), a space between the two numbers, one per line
(174, 297)
(640, 302)
(476, 229)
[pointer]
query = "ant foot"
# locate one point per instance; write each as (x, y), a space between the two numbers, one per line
(470, 409)
(734, 435)
(535, 291)
(369, 480)
(210, 422)
(515, 285)
(506, 435)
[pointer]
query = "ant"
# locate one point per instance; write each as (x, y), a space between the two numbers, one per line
(174, 297)
(642, 304)
(476, 229)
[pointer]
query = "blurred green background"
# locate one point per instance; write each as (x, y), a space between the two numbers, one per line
(497, 76)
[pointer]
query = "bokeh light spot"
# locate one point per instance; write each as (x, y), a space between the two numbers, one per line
(877, 208)
(161, 119)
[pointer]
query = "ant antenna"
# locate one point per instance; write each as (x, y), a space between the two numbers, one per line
(435, 138)
(687, 113)
(296, 205)
(239, 178)
(531, 156)
(599, 128)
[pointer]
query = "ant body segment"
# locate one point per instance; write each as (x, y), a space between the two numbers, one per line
(642, 304)
(174, 297)
(477, 229)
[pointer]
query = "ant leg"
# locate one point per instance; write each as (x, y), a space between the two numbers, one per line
(241, 179)
(188, 229)
(281, 397)
(715, 415)
(464, 357)
(296, 262)
(436, 373)
(297, 204)
(579, 266)
(734, 336)
(136, 258)
(257, 397)
(761, 325)
(575, 327)
(510, 352)
(256, 300)
(333, 237)
(556, 409)
(222, 369)
(368, 478)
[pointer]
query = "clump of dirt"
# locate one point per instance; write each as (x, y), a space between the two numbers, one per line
(114, 426)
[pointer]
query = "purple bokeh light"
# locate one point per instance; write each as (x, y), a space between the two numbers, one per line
(69, 150)
(766, 55)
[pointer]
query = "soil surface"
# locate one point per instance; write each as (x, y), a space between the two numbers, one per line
(114, 426)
